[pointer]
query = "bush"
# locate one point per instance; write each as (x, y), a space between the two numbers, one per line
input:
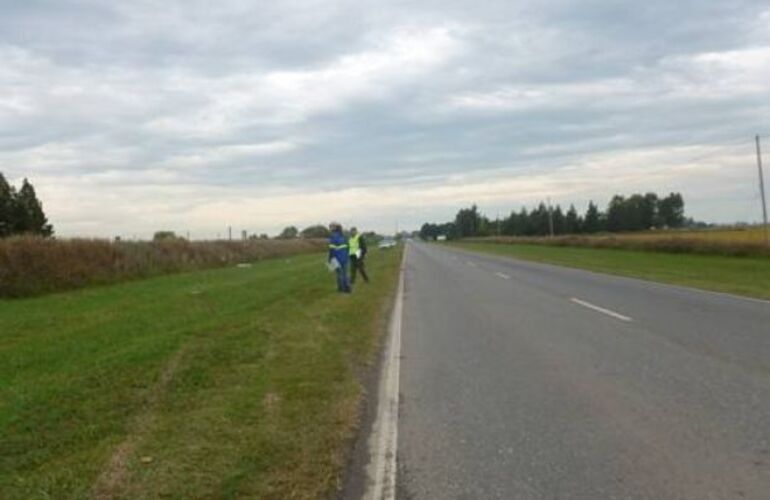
(34, 265)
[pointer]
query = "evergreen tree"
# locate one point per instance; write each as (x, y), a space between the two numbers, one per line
(525, 223)
(7, 202)
(592, 222)
(540, 220)
(572, 222)
(559, 222)
(512, 225)
(28, 212)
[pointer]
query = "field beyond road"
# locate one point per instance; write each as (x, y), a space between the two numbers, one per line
(236, 382)
(749, 276)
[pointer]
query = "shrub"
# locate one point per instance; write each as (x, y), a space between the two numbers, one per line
(32, 265)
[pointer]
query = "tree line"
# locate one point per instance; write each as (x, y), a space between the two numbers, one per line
(318, 231)
(20, 210)
(288, 233)
(637, 212)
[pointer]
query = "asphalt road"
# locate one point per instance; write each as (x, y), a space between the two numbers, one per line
(528, 381)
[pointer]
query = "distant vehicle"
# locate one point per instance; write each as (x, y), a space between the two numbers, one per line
(441, 237)
(387, 243)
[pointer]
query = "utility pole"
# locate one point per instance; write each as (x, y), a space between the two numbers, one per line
(497, 218)
(762, 191)
(550, 217)
(230, 233)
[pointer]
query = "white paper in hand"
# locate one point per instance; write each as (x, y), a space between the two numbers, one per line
(333, 264)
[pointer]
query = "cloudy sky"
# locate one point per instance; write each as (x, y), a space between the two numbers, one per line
(194, 115)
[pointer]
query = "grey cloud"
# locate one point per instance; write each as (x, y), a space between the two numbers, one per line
(195, 100)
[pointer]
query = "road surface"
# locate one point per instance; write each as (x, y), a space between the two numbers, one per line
(527, 381)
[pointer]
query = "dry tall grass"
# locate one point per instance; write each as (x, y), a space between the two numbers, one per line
(748, 234)
(33, 266)
(735, 243)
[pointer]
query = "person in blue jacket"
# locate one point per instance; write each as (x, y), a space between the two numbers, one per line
(338, 250)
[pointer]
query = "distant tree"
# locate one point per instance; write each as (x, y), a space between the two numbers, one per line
(7, 201)
(28, 216)
(288, 233)
(468, 222)
(164, 236)
(485, 227)
(592, 222)
(559, 221)
(512, 225)
(650, 211)
(671, 210)
(634, 212)
(539, 220)
(572, 221)
(316, 231)
(637, 212)
(616, 214)
(448, 229)
(264, 236)
(429, 231)
(525, 225)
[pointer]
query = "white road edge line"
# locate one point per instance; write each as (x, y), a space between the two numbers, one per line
(503, 275)
(600, 309)
(383, 442)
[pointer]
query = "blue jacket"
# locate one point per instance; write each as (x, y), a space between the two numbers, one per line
(338, 247)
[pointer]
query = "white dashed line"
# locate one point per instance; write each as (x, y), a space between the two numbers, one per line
(502, 275)
(472, 264)
(601, 309)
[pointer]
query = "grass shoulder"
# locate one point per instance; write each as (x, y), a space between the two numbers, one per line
(748, 276)
(237, 382)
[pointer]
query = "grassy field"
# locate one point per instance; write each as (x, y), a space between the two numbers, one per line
(730, 235)
(740, 275)
(225, 383)
(737, 242)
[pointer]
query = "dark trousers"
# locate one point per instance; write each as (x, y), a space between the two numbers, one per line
(342, 280)
(357, 264)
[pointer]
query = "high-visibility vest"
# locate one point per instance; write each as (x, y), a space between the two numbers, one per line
(353, 244)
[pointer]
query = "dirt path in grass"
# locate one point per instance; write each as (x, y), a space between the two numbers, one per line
(115, 473)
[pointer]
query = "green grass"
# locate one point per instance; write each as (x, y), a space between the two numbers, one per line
(237, 382)
(739, 275)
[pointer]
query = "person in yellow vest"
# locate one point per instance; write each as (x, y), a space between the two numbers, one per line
(357, 249)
